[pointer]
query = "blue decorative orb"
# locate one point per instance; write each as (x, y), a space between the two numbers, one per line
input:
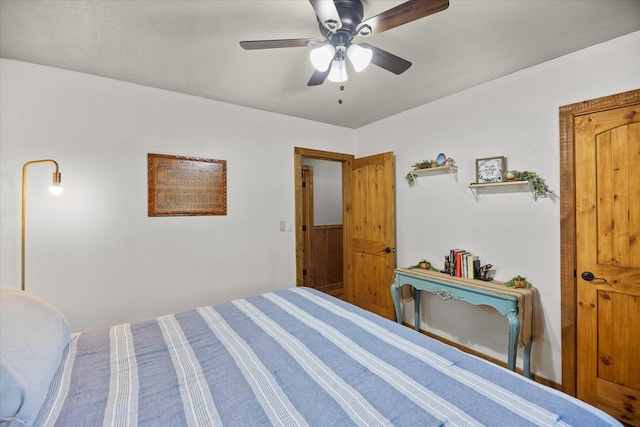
(441, 159)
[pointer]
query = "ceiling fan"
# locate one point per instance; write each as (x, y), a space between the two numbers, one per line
(340, 21)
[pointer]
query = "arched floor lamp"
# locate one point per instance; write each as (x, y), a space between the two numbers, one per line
(55, 188)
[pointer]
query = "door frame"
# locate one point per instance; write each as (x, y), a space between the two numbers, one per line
(307, 217)
(298, 154)
(568, 257)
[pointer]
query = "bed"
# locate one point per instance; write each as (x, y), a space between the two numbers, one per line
(293, 357)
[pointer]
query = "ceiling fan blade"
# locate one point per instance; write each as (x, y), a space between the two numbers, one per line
(318, 77)
(327, 14)
(386, 60)
(402, 14)
(272, 44)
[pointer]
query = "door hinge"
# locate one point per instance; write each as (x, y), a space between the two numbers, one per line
(304, 272)
(304, 184)
(575, 273)
(304, 228)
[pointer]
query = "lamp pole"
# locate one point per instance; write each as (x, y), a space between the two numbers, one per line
(55, 188)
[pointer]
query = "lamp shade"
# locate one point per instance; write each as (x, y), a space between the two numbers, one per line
(321, 57)
(359, 56)
(338, 71)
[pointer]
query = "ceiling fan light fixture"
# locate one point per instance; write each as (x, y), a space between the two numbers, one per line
(359, 56)
(331, 24)
(338, 73)
(364, 31)
(321, 56)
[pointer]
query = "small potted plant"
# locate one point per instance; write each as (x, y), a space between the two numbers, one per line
(518, 282)
(423, 264)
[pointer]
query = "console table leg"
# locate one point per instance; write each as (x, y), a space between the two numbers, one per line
(416, 307)
(514, 333)
(396, 291)
(527, 358)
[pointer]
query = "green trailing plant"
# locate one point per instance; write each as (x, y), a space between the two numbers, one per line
(518, 282)
(540, 187)
(411, 180)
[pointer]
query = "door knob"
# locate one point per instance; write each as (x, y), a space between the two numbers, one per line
(388, 250)
(588, 276)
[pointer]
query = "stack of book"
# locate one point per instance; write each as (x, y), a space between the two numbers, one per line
(464, 264)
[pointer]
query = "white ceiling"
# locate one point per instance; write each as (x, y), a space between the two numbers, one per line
(192, 47)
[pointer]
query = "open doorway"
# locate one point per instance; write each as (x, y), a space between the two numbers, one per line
(323, 226)
(319, 219)
(368, 213)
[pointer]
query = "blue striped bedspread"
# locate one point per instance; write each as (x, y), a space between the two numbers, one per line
(290, 358)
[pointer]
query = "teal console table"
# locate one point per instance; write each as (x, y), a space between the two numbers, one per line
(514, 304)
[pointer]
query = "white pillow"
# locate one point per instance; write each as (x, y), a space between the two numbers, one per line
(33, 336)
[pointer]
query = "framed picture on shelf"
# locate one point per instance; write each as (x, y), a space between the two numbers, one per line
(490, 169)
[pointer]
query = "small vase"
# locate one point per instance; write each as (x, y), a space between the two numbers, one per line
(509, 176)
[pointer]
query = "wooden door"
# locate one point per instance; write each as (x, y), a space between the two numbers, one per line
(607, 176)
(369, 229)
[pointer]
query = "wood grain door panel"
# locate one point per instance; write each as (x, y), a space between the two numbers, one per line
(607, 152)
(326, 260)
(370, 233)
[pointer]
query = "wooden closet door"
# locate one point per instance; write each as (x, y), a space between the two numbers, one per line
(607, 145)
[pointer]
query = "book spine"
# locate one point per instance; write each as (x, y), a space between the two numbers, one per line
(470, 266)
(459, 263)
(476, 267)
(465, 264)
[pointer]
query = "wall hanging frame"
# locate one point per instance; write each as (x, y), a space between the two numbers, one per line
(186, 186)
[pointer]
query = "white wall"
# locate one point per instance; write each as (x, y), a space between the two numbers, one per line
(515, 116)
(93, 252)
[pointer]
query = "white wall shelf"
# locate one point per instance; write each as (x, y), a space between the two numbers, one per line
(501, 187)
(440, 170)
